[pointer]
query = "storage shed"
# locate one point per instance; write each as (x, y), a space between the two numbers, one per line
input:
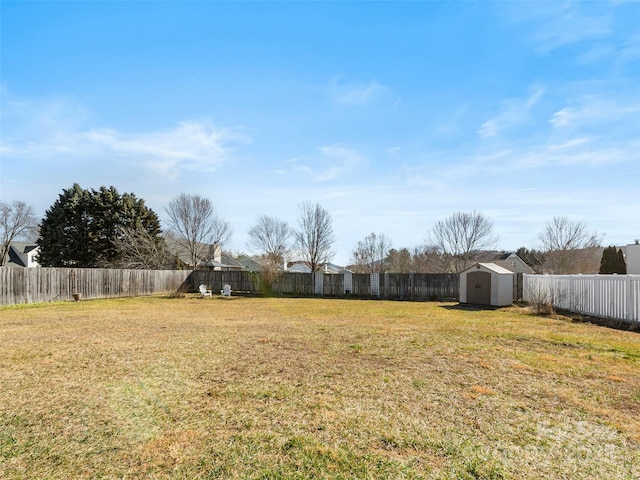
(486, 284)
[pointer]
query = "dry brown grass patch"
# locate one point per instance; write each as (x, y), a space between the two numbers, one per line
(312, 388)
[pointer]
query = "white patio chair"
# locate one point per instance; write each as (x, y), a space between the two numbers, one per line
(204, 292)
(226, 291)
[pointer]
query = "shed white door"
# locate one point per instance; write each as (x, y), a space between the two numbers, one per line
(479, 288)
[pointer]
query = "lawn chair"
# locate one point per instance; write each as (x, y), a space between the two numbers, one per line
(204, 292)
(226, 291)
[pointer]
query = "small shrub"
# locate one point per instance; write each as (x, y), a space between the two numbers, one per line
(540, 300)
(543, 308)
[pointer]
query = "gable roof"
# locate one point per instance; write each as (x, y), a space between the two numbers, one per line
(489, 266)
(23, 247)
(504, 259)
(180, 250)
(15, 250)
(492, 256)
(227, 262)
(249, 263)
(305, 267)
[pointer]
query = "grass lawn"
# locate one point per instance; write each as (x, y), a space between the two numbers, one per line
(313, 388)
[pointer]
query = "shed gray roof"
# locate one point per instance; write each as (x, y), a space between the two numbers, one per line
(490, 266)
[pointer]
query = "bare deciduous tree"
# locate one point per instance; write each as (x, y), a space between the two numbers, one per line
(314, 238)
(460, 235)
(137, 248)
(429, 259)
(17, 220)
(270, 236)
(370, 254)
(569, 247)
(193, 221)
(400, 261)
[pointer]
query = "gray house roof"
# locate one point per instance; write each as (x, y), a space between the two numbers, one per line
(250, 264)
(227, 262)
(506, 260)
(15, 250)
(210, 256)
(305, 267)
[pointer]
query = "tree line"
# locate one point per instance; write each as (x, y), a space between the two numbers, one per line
(103, 228)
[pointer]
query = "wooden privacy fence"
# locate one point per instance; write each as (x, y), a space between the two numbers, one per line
(614, 297)
(409, 286)
(30, 285)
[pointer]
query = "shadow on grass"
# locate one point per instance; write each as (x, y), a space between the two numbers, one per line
(616, 324)
(558, 314)
(471, 307)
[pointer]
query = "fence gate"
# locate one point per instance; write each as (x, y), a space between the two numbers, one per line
(375, 284)
(348, 283)
(318, 283)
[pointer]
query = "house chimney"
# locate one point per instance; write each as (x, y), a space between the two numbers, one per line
(215, 253)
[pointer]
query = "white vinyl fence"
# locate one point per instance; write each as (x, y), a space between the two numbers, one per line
(604, 296)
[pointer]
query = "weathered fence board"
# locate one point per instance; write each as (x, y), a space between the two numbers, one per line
(28, 285)
(293, 284)
(417, 286)
(241, 282)
(605, 296)
(361, 284)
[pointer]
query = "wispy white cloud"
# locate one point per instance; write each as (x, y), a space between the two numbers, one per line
(393, 152)
(353, 94)
(514, 112)
(47, 130)
(333, 162)
(629, 51)
(572, 28)
(572, 143)
(583, 152)
(557, 24)
(524, 160)
(597, 53)
(193, 145)
(451, 125)
(597, 110)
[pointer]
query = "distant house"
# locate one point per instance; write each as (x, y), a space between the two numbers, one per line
(22, 254)
(304, 267)
(223, 262)
(633, 258)
(508, 260)
(250, 264)
(211, 257)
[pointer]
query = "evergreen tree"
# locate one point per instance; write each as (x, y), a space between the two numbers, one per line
(612, 261)
(82, 227)
(621, 265)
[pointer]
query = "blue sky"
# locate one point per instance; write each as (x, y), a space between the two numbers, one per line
(391, 115)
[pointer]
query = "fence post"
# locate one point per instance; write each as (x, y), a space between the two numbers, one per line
(572, 297)
(629, 299)
(385, 285)
(597, 293)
